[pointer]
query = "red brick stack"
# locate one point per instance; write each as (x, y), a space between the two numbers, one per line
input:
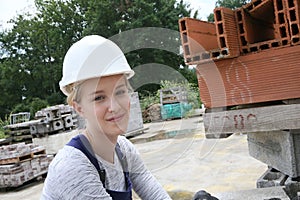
(249, 55)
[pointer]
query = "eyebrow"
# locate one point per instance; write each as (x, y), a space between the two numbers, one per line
(102, 91)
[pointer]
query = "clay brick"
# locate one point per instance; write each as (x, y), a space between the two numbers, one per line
(293, 15)
(281, 21)
(197, 37)
(262, 46)
(226, 27)
(242, 34)
(262, 16)
(258, 21)
(254, 4)
(270, 75)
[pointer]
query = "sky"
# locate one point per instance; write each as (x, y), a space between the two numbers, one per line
(10, 8)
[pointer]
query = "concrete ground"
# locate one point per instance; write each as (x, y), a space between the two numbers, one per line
(184, 161)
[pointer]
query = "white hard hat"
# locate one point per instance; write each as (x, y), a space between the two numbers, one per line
(93, 56)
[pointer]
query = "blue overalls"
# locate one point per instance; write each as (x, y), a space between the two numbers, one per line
(80, 142)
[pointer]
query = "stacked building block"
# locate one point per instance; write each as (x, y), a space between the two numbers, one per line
(226, 32)
(257, 30)
(257, 90)
(54, 119)
(254, 53)
(281, 20)
(49, 120)
(258, 26)
(293, 15)
(174, 103)
(252, 78)
(198, 39)
(20, 163)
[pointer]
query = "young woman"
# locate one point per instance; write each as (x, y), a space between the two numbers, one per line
(99, 163)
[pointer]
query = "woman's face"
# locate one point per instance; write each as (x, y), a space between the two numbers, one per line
(105, 104)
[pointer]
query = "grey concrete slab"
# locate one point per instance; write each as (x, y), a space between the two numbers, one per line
(271, 193)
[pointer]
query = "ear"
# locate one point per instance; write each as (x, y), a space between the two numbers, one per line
(78, 108)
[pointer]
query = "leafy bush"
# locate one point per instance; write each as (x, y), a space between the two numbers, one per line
(31, 106)
(37, 104)
(2, 125)
(148, 100)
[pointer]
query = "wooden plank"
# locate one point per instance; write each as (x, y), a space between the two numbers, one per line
(39, 153)
(269, 118)
(19, 132)
(16, 159)
(21, 125)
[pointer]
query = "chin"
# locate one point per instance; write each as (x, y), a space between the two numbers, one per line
(117, 130)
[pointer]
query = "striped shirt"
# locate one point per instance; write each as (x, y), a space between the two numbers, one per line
(72, 176)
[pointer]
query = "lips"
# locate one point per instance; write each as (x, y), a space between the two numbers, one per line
(116, 118)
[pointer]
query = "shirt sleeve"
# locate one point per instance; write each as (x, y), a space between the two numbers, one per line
(73, 176)
(144, 183)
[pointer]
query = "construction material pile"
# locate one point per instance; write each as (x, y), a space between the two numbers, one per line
(174, 103)
(248, 73)
(20, 163)
(48, 121)
(252, 53)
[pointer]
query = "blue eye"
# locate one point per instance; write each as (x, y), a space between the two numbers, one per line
(120, 92)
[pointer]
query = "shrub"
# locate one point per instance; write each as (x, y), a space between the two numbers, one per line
(2, 125)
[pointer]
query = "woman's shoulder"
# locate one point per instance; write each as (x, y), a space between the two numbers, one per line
(67, 157)
(125, 144)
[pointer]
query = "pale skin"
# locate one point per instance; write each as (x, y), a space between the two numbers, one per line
(105, 104)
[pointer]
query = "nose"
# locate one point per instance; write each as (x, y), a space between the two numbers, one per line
(113, 105)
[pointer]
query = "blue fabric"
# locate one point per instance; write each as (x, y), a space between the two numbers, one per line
(126, 195)
(80, 142)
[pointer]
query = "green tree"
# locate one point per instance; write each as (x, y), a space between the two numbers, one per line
(32, 51)
(233, 4)
(118, 16)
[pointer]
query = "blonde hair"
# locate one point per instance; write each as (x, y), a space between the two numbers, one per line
(74, 89)
(73, 93)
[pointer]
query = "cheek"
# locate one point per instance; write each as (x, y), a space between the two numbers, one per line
(126, 104)
(123, 102)
(99, 111)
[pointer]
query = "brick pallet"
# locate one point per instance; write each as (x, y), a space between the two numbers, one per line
(20, 163)
(256, 90)
(253, 78)
(238, 32)
(51, 120)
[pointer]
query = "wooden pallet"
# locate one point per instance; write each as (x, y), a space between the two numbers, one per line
(40, 152)
(16, 159)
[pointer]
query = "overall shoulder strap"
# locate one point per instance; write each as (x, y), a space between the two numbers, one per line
(122, 158)
(80, 142)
